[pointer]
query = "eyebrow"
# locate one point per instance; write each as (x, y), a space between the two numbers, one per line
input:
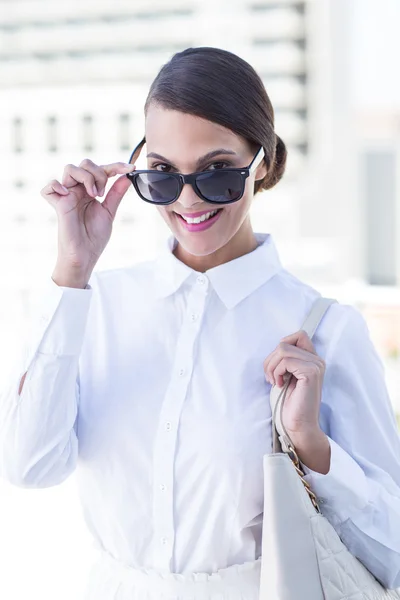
(200, 161)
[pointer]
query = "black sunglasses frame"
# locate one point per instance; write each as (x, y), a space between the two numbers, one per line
(191, 178)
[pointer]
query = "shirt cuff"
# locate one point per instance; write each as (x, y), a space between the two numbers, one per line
(60, 319)
(344, 489)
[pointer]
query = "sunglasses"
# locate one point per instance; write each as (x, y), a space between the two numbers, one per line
(220, 186)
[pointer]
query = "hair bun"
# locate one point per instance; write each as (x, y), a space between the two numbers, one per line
(277, 166)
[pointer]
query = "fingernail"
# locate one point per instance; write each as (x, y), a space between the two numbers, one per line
(65, 189)
(95, 192)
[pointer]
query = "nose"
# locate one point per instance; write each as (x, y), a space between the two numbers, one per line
(188, 197)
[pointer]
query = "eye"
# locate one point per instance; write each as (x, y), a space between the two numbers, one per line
(155, 167)
(218, 165)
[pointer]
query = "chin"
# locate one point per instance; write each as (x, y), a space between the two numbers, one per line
(199, 247)
(198, 244)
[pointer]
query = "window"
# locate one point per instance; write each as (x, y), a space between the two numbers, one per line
(124, 132)
(380, 213)
(88, 129)
(52, 134)
(297, 6)
(17, 135)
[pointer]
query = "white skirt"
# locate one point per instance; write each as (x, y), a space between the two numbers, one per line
(109, 579)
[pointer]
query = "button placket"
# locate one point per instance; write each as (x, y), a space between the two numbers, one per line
(165, 445)
(197, 301)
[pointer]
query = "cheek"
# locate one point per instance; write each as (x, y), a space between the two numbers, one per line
(166, 215)
(235, 214)
(243, 206)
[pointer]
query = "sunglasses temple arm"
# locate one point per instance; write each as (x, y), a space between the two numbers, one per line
(256, 160)
(135, 154)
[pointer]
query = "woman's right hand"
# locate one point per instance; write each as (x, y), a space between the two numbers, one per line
(84, 223)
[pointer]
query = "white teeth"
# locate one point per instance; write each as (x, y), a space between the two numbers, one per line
(200, 219)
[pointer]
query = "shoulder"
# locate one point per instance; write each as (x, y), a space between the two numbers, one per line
(342, 323)
(304, 295)
(138, 278)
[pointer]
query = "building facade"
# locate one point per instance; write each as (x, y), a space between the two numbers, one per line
(73, 80)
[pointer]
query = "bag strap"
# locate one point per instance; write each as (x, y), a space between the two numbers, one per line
(281, 439)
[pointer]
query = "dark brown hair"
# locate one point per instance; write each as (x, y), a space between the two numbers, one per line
(219, 86)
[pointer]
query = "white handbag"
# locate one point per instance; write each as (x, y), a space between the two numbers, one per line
(303, 557)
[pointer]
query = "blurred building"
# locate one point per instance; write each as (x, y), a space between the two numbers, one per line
(74, 77)
(73, 80)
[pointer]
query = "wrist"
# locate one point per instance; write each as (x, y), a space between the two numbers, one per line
(309, 437)
(313, 450)
(69, 278)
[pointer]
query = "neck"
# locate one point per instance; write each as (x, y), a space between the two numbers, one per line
(243, 242)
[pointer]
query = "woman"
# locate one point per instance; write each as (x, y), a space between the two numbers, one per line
(153, 381)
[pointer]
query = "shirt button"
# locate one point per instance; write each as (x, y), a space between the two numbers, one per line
(201, 280)
(162, 487)
(194, 317)
(168, 426)
(182, 372)
(164, 540)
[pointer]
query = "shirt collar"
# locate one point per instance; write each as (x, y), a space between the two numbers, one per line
(232, 281)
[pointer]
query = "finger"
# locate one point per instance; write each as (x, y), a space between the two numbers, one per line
(53, 190)
(272, 366)
(73, 175)
(99, 175)
(126, 171)
(301, 339)
(306, 371)
(115, 194)
(93, 177)
(285, 352)
(285, 349)
(102, 173)
(118, 168)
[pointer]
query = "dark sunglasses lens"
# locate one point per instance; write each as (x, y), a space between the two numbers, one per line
(220, 186)
(157, 187)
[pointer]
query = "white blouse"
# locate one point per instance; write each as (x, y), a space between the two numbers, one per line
(149, 386)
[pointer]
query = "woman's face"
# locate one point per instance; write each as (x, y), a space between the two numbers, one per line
(182, 140)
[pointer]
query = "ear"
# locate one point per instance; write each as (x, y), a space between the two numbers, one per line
(261, 171)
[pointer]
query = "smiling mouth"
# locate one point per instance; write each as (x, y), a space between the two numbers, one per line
(201, 218)
(200, 223)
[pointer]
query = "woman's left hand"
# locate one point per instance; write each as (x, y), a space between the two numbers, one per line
(296, 354)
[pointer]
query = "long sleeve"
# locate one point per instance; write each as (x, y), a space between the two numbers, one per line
(38, 439)
(361, 492)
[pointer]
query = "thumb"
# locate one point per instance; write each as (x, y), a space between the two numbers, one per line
(301, 340)
(115, 194)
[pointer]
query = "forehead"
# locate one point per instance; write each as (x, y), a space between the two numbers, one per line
(170, 132)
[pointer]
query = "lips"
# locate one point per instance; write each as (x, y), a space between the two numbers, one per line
(203, 225)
